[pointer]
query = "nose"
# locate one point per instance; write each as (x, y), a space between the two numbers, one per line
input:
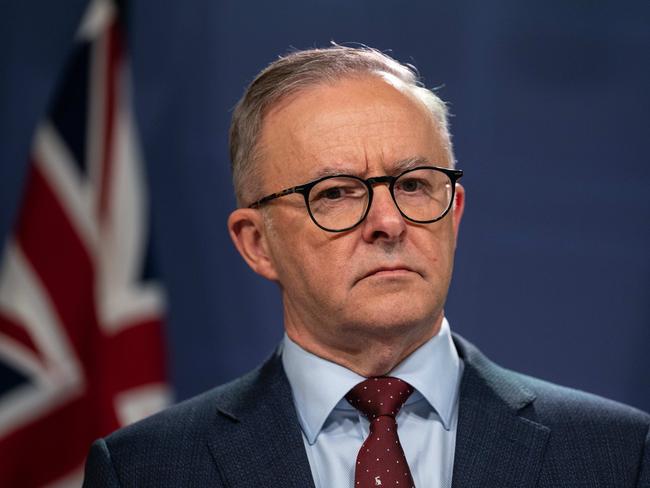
(384, 220)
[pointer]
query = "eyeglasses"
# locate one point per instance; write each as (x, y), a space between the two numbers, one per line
(341, 202)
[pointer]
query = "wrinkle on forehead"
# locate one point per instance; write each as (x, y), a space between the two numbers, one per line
(358, 129)
(393, 168)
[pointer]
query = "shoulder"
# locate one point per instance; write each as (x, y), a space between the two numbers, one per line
(173, 447)
(188, 418)
(609, 439)
(573, 435)
(563, 409)
(562, 404)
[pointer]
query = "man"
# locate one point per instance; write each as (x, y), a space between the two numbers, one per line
(349, 201)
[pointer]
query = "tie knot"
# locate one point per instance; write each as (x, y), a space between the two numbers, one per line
(383, 395)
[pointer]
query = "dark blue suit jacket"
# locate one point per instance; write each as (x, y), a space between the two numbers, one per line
(513, 431)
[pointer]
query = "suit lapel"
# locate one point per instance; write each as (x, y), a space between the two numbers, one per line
(495, 445)
(258, 418)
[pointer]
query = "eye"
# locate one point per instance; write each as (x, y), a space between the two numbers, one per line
(337, 190)
(411, 185)
(331, 193)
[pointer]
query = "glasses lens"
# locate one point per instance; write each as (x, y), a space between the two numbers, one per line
(338, 202)
(423, 194)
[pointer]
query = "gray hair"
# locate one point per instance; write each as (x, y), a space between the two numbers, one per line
(304, 69)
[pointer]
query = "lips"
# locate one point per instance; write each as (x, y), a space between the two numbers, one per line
(392, 270)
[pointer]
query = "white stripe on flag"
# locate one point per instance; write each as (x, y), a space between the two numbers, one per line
(58, 375)
(70, 187)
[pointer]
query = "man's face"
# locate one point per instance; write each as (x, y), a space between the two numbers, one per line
(387, 278)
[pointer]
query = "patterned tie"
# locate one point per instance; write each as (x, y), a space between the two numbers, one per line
(381, 460)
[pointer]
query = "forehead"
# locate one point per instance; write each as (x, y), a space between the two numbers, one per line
(361, 126)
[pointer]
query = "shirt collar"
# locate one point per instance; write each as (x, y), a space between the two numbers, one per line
(318, 385)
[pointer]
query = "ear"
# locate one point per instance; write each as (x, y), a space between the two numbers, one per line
(248, 233)
(458, 208)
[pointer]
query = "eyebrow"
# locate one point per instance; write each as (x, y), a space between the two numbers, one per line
(396, 168)
(410, 163)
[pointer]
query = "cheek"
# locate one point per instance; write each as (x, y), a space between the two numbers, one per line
(326, 262)
(310, 261)
(438, 249)
(326, 277)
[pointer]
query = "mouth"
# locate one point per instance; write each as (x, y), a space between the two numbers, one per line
(393, 271)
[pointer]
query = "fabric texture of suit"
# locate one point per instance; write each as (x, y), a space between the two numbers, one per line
(513, 431)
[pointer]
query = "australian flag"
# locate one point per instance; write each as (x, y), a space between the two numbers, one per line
(81, 343)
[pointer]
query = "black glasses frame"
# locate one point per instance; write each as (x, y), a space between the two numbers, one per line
(453, 174)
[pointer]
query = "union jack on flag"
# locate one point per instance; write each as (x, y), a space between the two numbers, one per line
(81, 345)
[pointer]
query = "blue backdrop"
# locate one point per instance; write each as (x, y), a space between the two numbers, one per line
(551, 125)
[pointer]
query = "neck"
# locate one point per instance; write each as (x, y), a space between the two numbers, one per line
(373, 353)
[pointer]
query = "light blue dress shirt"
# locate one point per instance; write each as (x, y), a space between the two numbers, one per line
(333, 430)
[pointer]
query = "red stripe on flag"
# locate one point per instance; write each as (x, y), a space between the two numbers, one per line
(52, 446)
(59, 258)
(136, 356)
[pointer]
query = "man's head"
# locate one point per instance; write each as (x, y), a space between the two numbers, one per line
(368, 296)
(297, 72)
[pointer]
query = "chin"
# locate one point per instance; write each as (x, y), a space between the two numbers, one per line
(394, 318)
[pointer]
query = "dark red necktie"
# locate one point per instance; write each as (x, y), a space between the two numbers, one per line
(381, 460)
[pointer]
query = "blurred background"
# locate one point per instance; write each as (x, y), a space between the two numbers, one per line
(551, 123)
